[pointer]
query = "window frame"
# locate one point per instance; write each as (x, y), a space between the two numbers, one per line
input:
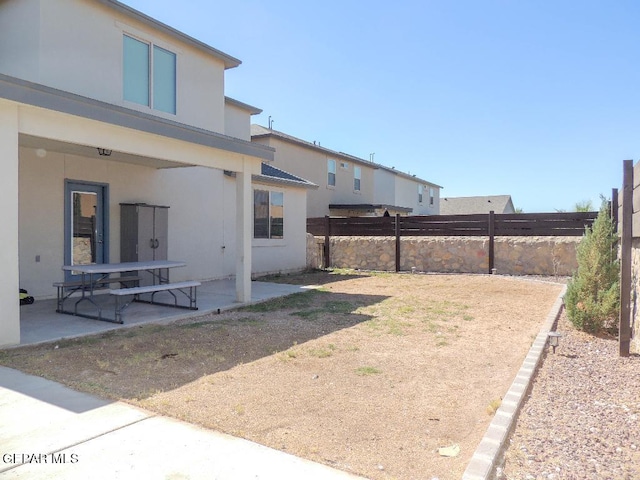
(357, 179)
(270, 220)
(154, 53)
(272, 217)
(432, 194)
(420, 193)
(331, 161)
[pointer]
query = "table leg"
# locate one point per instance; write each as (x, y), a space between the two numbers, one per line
(89, 298)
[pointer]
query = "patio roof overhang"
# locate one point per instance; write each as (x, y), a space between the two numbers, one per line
(69, 123)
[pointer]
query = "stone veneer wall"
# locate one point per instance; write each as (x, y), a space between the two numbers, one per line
(314, 251)
(513, 255)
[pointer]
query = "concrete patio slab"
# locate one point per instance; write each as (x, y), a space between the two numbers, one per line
(39, 322)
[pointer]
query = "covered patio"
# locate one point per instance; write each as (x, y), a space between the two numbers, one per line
(50, 138)
(40, 323)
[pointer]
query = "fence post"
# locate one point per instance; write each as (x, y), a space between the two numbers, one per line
(625, 259)
(327, 234)
(614, 208)
(491, 240)
(397, 242)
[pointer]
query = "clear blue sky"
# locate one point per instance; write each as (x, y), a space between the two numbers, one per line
(539, 99)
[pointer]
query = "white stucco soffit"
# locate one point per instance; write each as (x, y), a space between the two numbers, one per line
(141, 124)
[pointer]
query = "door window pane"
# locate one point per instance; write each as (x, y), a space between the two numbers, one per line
(84, 229)
(86, 220)
(164, 80)
(136, 71)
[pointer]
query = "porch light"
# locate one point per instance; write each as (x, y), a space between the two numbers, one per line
(104, 152)
(554, 340)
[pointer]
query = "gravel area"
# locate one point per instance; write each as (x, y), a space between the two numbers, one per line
(582, 418)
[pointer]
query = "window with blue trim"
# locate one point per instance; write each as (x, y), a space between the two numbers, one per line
(149, 75)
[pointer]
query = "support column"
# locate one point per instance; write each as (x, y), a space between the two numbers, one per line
(244, 204)
(10, 278)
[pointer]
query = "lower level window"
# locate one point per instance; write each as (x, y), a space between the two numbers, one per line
(268, 214)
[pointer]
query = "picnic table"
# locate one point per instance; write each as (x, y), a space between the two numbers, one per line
(96, 276)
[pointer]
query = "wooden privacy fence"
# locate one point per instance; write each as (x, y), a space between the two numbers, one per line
(490, 225)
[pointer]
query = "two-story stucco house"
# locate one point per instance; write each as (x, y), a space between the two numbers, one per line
(101, 105)
(348, 185)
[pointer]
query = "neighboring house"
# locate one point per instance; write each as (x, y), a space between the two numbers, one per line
(348, 185)
(471, 205)
(102, 105)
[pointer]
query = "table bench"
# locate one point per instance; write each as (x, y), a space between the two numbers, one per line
(188, 289)
(96, 273)
(74, 286)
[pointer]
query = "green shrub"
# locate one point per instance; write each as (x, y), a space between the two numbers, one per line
(593, 294)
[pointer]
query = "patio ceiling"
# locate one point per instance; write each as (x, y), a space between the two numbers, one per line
(46, 144)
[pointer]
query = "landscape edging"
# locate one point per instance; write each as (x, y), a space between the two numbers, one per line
(487, 455)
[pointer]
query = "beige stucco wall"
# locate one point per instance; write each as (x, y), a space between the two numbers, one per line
(202, 217)
(289, 253)
(378, 186)
(41, 219)
(202, 224)
(407, 195)
(311, 165)
(81, 52)
(384, 183)
(513, 255)
(237, 122)
(196, 226)
(19, 33)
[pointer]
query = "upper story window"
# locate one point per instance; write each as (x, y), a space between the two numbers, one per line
(420, 193)
(331, 172)
(149, 76)
(432, 194)
(268, 214)
(357, 177)
(344, 165)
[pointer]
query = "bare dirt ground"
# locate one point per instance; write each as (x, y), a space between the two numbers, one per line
(582, 419)
(370, 373)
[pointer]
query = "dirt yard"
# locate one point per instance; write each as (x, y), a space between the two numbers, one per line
(368, 373)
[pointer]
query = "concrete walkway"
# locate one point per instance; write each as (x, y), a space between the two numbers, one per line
(48, 431)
